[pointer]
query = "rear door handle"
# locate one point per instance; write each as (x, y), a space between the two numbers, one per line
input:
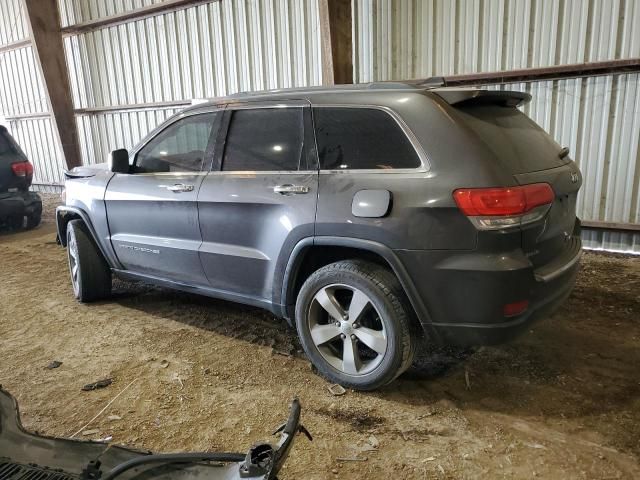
(180, 187)
(291, 189)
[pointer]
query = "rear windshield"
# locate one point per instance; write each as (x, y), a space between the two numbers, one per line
(518, 143)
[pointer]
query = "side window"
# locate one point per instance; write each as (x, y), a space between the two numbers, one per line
(361, 138)
(264, 139)
(180, 147)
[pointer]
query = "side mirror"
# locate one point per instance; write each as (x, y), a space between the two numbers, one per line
(119, 161)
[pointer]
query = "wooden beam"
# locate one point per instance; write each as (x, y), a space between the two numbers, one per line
(335, 35)
(620, 226)
(44, 23)
(128, 16)
(15, 45)
(555, 72)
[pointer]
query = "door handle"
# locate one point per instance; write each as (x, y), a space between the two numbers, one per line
(180, 187)
(290, 189)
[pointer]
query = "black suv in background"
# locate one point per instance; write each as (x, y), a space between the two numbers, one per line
(16, 174)
(367, 215)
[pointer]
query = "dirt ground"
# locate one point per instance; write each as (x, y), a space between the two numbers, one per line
(563, 401)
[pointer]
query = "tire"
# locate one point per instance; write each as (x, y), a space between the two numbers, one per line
(379, 343)
(15, 222)
(90, 274)
(34, 220)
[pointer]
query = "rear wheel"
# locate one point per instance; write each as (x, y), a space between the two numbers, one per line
(15, 222)
(90, 274)
(354, 325)
(34, 220)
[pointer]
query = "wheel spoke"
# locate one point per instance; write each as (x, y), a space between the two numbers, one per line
(327, 300)
(74, 271)
(351, 362)
(374, 339)
(73, 253)
(359, 303)
(322, 334)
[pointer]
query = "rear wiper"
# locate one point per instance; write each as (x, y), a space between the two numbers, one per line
(564, 152)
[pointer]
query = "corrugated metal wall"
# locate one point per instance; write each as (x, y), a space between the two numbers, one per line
(22, 93)
(209, 50)
(219, 48)
(205, 51)
(598, 118)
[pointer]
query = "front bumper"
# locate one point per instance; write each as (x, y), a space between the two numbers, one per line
(465, 294)
(20, 204)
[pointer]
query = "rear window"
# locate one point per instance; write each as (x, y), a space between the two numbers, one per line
(361, 138)
(518, 143)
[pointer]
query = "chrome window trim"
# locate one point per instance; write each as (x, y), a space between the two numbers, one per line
(265, 172)
(425, 164)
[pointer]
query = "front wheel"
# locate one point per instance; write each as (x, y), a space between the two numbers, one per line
(354, 324)
(90, 274)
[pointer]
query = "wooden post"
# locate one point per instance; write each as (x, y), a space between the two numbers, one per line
(335, 34)
(46, 38)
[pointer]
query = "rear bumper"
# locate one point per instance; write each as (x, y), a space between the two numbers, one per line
(20, 204)
(465, 293)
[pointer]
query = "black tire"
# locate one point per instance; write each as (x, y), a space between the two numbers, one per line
(15, 222)
(388, 309)
(91, 280)
(34, 220)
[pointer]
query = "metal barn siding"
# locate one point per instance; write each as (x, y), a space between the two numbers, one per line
(22, 93)
(13, 26)
(205, 51)
(598, 117)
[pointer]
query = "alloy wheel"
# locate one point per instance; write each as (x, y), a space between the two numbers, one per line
(74, 269)
(347, 329)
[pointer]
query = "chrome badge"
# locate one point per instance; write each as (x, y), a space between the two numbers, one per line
(574, 177)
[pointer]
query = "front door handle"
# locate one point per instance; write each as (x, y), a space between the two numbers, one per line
(290, 189)
(180, 187)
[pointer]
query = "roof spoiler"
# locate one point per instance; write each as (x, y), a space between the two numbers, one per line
(468, 97)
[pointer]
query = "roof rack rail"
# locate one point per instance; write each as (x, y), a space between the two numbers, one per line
(388, 85)
(433, 82)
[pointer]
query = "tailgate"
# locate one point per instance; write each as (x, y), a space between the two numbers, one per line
(522, 148)
(542, 242)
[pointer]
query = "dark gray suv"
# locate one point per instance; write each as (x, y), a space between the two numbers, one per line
(369, 216)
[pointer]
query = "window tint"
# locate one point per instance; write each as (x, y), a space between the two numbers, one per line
(179, 148)
(361, 138)
(264, 139)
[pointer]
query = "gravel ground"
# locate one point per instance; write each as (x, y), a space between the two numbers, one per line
(561, 402)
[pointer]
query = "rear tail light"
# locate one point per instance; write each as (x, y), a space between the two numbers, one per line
(498, 208)
(22, 169)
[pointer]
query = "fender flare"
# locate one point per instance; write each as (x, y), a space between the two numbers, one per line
(61, 223)
(295, 261)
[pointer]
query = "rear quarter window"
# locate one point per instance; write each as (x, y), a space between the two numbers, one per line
(361, 138)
